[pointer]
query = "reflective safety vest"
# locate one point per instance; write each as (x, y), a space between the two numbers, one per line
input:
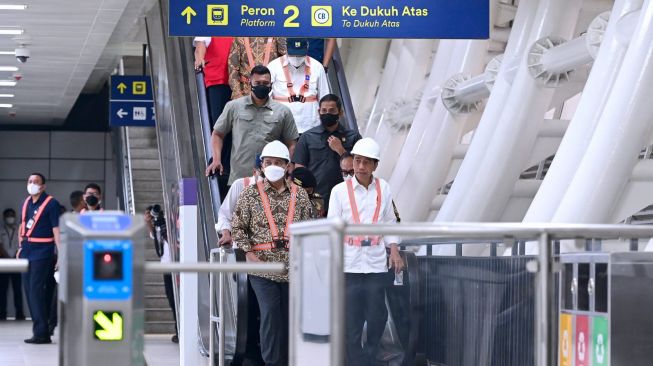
(363, 241)
(292, 96)
(250, 55)
(25, 232)
(278, 241)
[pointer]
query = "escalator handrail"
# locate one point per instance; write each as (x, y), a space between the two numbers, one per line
(345, 96)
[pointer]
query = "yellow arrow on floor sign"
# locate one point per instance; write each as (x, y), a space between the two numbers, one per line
(122, 87)
(112, 328)
(188, 13)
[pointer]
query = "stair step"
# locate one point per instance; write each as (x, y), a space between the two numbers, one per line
(154, 289)
(158, 314)
(160, 327)
(156, 301)
(150, 164)
(147, 185)
(142, 142)
(142, 132)
(144, 153)
(154, 278)
(146, 174)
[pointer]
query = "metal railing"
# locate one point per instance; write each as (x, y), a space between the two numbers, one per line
(544, 237)
(128, 181)
(217, 319)
(13, 265)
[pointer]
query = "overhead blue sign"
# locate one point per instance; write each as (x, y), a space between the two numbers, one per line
(105, 222)
(132, 102)
(443, 19)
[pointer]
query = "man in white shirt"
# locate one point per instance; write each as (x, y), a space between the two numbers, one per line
(226, 211)
(299, 82)
(366, 199)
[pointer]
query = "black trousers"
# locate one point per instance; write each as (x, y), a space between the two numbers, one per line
(272, 300)
(16, 288)
(218, 96)
(39, 295)
(364, 302)
(167, 283)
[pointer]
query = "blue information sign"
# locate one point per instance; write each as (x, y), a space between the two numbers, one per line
(132, 102)
(105, 222)
(445, 19)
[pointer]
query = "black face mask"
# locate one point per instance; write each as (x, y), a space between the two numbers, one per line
(328, 119)
(261, 91)
(92, 200)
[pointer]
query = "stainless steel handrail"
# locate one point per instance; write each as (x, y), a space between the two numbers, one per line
(218, 318)
(128, 189)
(155, 267)
(542, 267)
(13, 265)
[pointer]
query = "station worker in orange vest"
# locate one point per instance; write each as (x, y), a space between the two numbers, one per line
(260, 227)
(299, 81)
(366, 199)
(39, 239)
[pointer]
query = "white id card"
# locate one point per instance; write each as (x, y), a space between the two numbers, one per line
(29, 224)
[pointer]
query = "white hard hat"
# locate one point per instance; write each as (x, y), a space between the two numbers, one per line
(276, 149)
(368, 148)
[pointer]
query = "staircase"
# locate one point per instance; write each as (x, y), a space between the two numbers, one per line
(148, 190)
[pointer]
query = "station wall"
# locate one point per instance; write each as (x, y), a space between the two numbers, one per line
(69, 160)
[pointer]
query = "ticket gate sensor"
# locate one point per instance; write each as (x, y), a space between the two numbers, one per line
(101, 301)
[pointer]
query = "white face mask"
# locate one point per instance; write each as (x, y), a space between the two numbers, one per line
(33, 189)
(274, 173)
(296, 61)
(10, 220)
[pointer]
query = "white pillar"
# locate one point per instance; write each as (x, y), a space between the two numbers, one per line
(582, 126)
(426, 159)
(188, 284)
(515, 48)
(623, 130)
(404, 88)
(364, 66)
(512, 136)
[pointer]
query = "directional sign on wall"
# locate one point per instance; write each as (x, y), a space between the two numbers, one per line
(451, 19)
(132, 103)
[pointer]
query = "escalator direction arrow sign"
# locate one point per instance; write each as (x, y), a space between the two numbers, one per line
(108, 325)
(188, 13)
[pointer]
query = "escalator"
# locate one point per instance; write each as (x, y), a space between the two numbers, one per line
(183, 133)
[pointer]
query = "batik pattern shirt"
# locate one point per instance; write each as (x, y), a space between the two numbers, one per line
(249, 225)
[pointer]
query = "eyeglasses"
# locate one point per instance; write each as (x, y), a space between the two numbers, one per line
(347, 172)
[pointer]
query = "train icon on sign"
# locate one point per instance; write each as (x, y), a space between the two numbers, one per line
(217, 14)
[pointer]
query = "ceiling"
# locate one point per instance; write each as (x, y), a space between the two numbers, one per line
(74, 45)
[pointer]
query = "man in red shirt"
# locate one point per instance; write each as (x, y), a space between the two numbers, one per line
(212, 54)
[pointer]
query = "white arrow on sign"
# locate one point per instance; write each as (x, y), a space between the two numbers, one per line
(121, 113)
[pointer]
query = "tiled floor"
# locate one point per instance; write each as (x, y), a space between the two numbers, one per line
(159, 351)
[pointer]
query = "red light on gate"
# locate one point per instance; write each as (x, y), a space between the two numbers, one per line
(107, 258)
